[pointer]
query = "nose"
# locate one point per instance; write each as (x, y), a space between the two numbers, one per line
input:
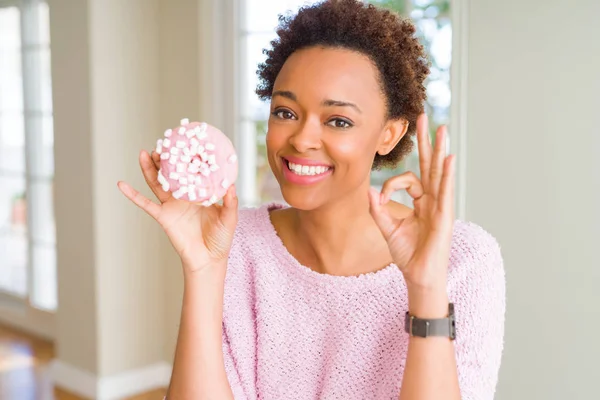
(307, 137)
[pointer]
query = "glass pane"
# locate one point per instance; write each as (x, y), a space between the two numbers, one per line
(268, 187)
(13, 235)
(41, 202)
(40, 148)
(253, 108)
(10, 28)
(12, 143)
(262, 15)
(44, 277)
(11, 80)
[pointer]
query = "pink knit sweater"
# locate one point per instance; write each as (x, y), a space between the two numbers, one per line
(292, 333)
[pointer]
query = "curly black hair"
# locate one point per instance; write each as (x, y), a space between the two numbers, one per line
(386, 38)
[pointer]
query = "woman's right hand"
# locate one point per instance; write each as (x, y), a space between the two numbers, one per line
(201, 235)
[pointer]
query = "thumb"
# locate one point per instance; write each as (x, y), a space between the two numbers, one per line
(229, 211)
(380, 214)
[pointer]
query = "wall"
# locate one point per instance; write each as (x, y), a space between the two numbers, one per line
(533, 180)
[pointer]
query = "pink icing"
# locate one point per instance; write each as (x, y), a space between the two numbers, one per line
(204, 153)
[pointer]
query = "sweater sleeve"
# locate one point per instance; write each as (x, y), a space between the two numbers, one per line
(232, 373)
(479, 297)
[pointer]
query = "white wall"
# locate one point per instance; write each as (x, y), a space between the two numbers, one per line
(533, 180)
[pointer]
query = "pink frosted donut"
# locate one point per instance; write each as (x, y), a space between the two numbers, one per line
(197, 162)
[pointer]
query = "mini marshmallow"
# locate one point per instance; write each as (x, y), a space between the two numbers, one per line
(196, 162)
(166, 142)
(180, 167)
(209, 146)
(180, 144)
(166, 186)
(206, 203)
(193, 151)
(183, 181)
(201, 135)
(213, 167)
(181, 130)
(174, 175)
(168, 132)
(203, 156)
(192, 194)
(213, 199)
(186, 159)
(193, 168)
(160, 178)
(205, 172)
(232, 158)
(200, 149)
(190, 133)
(184, 121)
(164, 156)
(178, 194)
(212, 159)
(159, 146)
(225, 184)
(194, 142)
(174, 151)
(173, 160)
(186, 151)
(197, 180)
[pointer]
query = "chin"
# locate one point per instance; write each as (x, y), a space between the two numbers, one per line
(305, 199)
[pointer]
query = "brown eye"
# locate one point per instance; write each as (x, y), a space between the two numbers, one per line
(283, 114)
(339, 123)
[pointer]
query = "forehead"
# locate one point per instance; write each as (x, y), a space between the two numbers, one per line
(329, 73)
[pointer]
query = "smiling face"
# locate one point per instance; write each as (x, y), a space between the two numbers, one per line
(328, 120)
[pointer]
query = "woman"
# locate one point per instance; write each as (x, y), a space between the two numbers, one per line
(310, 301)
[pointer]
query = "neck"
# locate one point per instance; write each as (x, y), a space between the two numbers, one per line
(340, 238)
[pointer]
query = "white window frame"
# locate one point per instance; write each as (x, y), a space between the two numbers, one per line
(14, 310)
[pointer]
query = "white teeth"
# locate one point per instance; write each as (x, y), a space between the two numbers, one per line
(166, 142)
(184, 121)
(180, 144)
(232, 158)
(306, 169)
(168, 132)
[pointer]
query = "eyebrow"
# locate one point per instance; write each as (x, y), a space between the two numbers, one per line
(327, 103)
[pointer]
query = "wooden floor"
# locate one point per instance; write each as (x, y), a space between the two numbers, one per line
(24, 371)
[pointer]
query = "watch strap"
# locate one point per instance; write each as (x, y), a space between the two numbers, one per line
(445, 327)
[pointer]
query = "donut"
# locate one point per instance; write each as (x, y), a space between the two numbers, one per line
(198, 162)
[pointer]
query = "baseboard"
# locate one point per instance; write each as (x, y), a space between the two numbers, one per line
(115, 387)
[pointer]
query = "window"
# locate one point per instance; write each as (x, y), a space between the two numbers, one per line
(257, 28)
(27, 228)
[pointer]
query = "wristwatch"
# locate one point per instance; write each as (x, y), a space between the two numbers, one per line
(445, 327)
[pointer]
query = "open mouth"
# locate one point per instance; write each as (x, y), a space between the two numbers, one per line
(306, 170)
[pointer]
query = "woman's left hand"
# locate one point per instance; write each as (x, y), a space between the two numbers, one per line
(420, 243)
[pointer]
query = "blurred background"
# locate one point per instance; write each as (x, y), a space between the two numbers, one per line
(90, 290)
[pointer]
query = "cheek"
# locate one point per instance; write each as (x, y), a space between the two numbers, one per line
(354, 147)
(275, 139)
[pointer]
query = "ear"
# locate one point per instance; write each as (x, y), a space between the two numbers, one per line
(393, 131)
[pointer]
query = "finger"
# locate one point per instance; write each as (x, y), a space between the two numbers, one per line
(139, 200)
(229, 211)
(437, 164)
(447, 186)
(151, 176)
(380, 214)
(408, 181)
(424, 146)
(156, 159)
